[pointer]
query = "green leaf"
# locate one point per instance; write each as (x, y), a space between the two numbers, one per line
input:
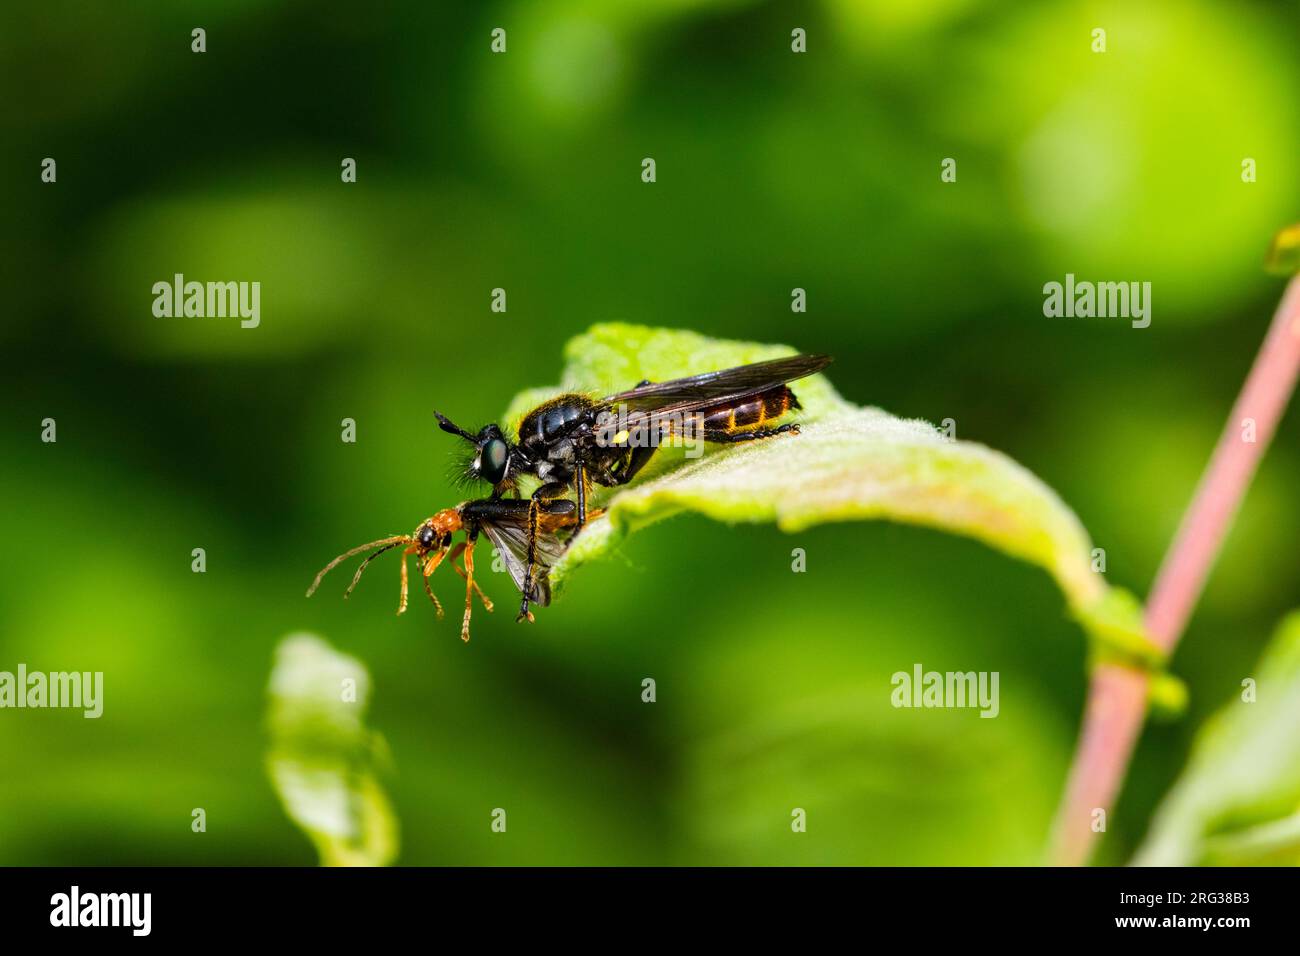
(848, 463)
(1238, 800)
(322, 759)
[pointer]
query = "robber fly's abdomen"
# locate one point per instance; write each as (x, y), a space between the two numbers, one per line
(751, 413)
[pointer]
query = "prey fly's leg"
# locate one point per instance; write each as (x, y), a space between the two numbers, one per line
(431, 564)
(487, 602)
(433, 597)
(469, 583)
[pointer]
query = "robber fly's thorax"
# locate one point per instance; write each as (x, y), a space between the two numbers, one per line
(553, 421)
(551, 437)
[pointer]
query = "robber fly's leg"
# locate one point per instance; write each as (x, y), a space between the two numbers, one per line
(527, 589)
(552, 489)
(560, 508)
(580, 482)
(525, 614)
(532, 554)
(469, 583)
(536, 505)
(635, 462)
(725, 437)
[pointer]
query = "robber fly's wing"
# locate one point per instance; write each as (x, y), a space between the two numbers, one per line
(510, 537)
(713, 388)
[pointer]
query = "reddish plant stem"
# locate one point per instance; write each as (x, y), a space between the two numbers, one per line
(1116, 704)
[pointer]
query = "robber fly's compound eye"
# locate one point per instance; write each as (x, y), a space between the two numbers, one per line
(492, 459)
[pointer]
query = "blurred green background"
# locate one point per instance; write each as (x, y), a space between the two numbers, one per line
(522, 171)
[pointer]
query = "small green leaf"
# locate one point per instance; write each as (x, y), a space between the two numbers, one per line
(848, 463)
(1238, 800)
(322, 759)
(1115, 625)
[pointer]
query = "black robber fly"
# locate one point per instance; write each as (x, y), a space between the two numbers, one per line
(528, 549)
(573, 440)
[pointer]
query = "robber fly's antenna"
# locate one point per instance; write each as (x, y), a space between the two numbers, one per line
(447, 425)
(383, 544)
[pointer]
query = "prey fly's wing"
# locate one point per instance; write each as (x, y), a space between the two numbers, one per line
(656, 400)
(509, 535)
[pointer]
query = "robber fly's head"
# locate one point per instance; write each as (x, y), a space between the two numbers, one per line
(491, 458)
(434, 534)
